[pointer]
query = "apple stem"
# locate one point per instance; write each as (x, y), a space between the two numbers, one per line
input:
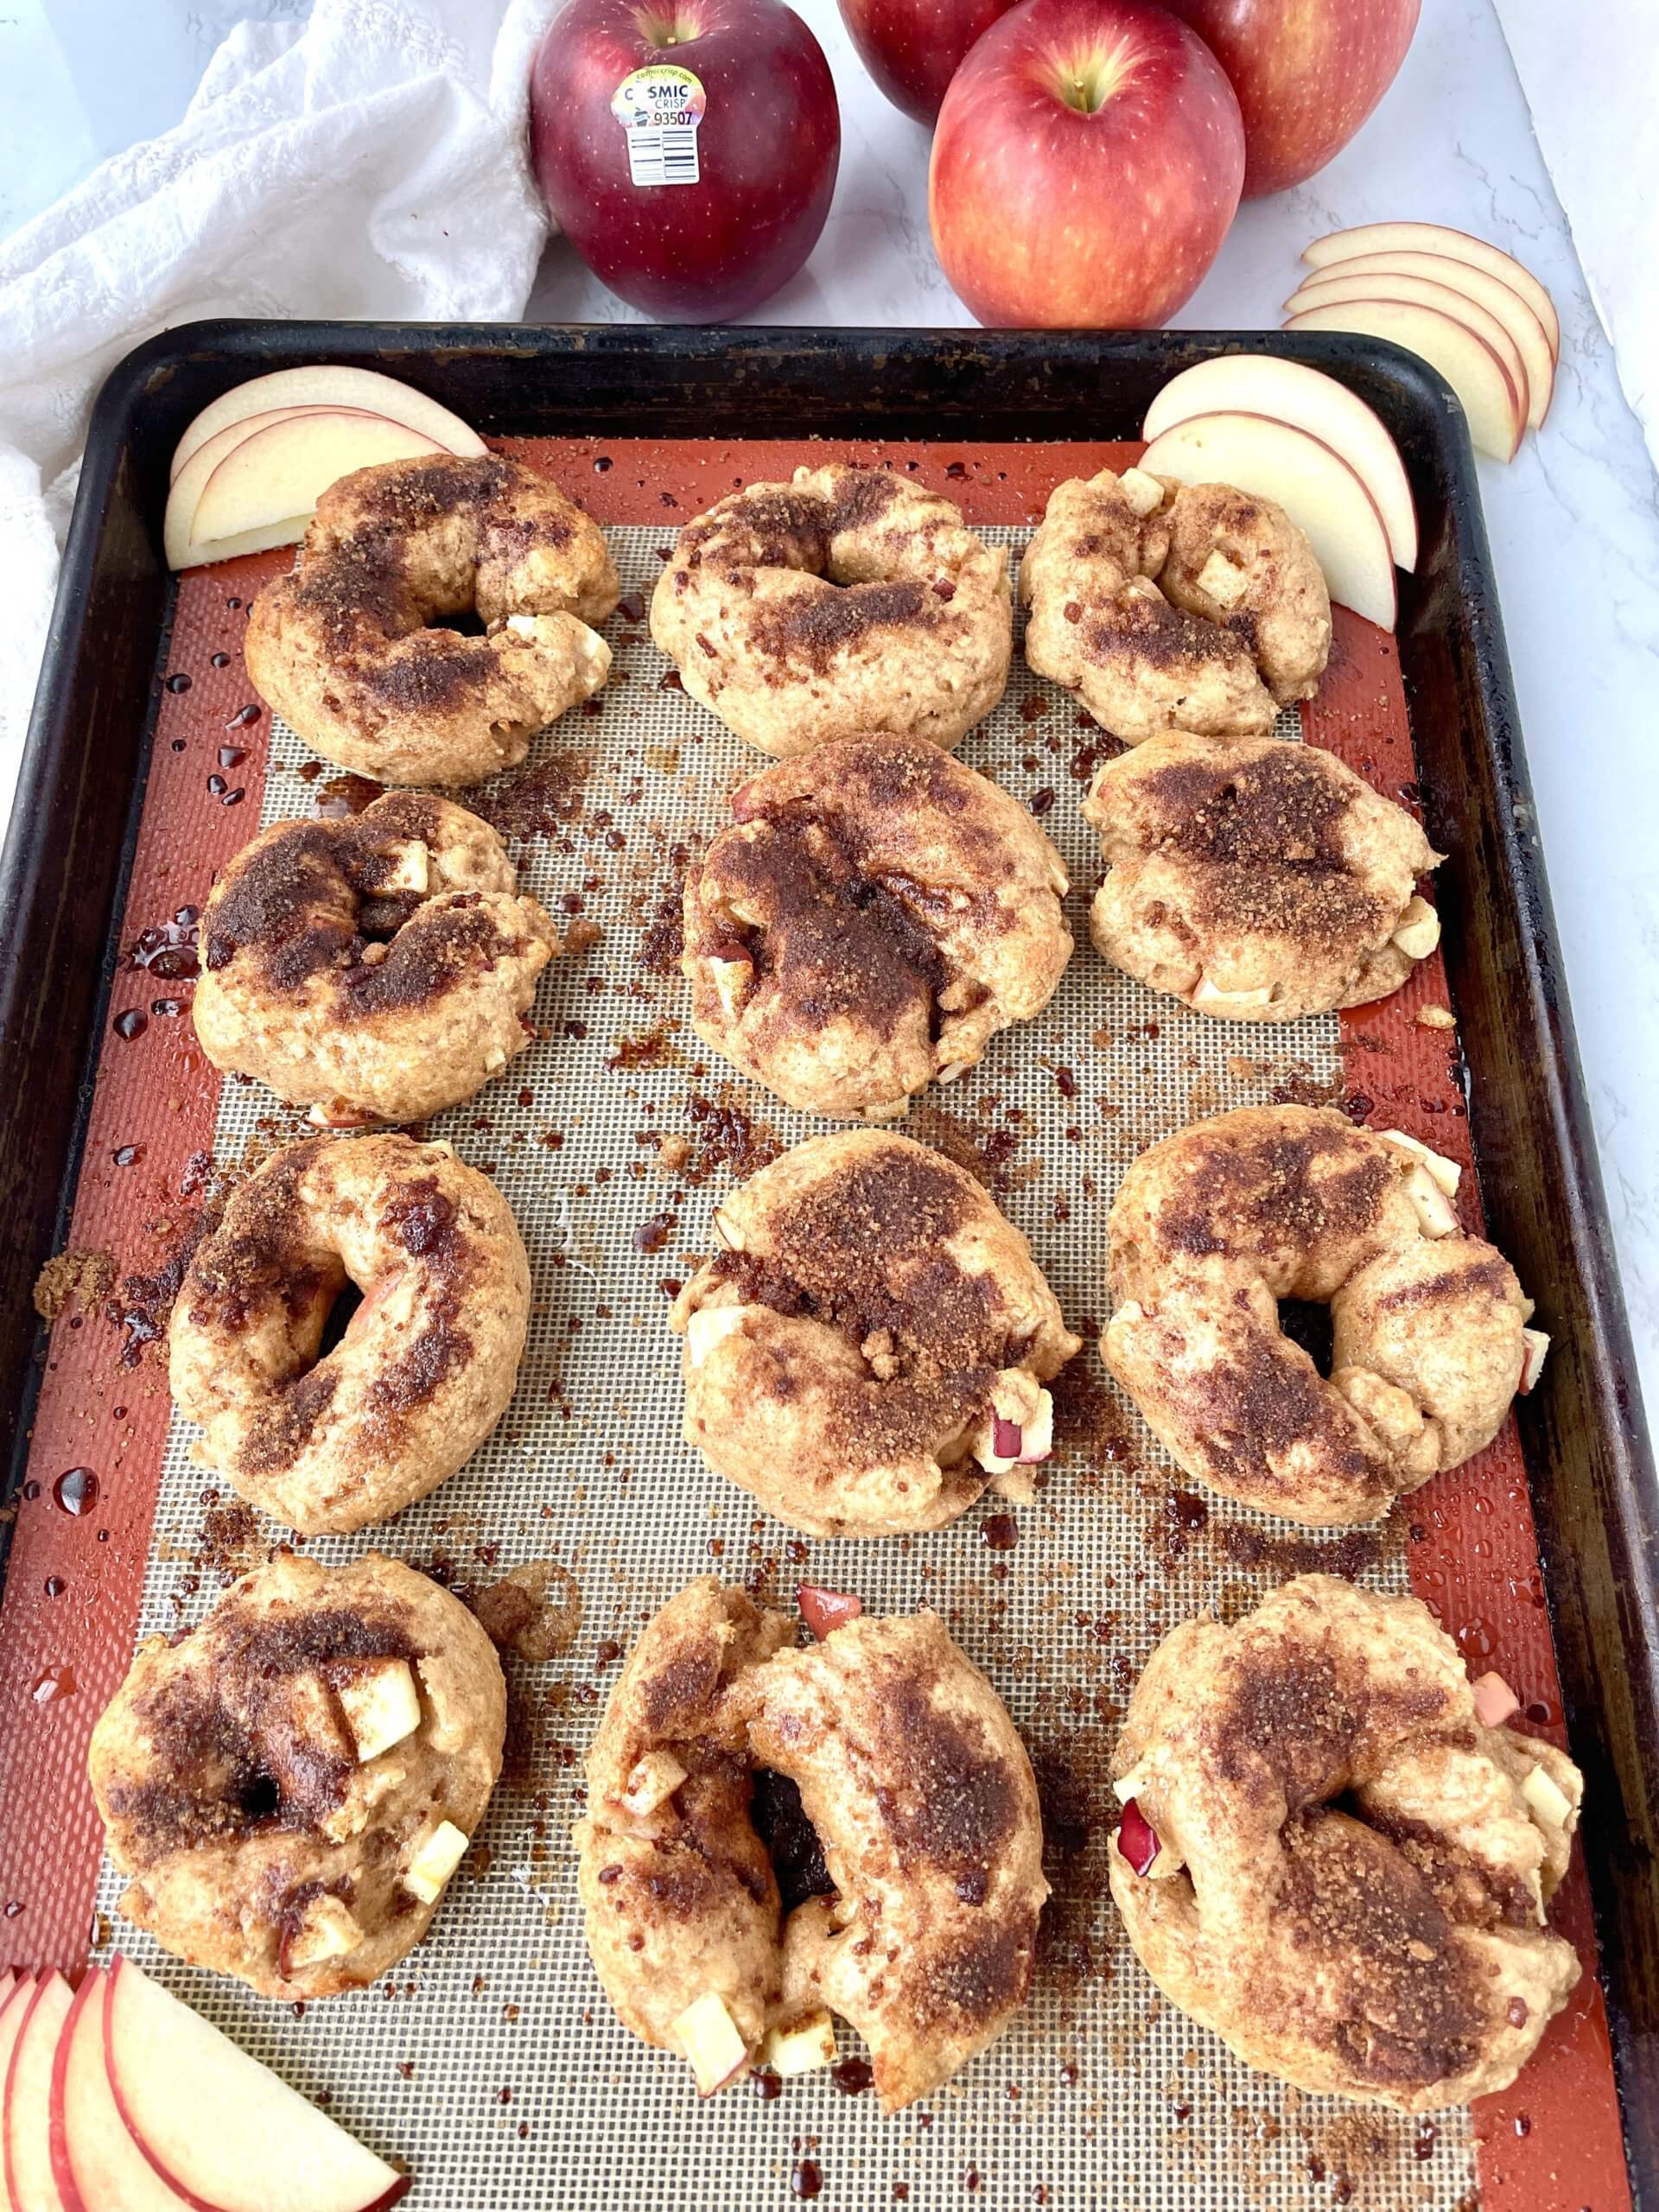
(1087, 81)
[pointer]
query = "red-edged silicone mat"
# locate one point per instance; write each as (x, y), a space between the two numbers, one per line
(79, 1551)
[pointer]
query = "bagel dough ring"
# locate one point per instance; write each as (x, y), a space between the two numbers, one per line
(1174, 606)
(289, 1786)
(845, 601)
(1214, 1225)
(866, 1353)
(1352, 1868)
(921, 1794)
(874, 915)
(373, 969)
(1256, 880)
(428, 1359)
(342, 648)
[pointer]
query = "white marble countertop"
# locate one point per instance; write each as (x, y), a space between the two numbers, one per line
(1574, 520)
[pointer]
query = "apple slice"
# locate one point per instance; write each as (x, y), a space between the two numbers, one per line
(28, 2098)
(1456, 245)
(1496, 416)
(1513, 309)
(284, 470)
(1336, 290)
(95, 2162)
(331, 386)
(1264, 383)
(1315, 486)
(266, 2148)
(178, 524)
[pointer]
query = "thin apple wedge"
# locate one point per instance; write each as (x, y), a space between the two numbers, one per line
(1333, 289)
(1293, 392)
(95, 2162)
(330, 384)
(268, 2150)
(28, 2095)
(1512, 308)
(285, 469)
(1456, 245)
(1496, 416)
(1318, 491)
(178, 525)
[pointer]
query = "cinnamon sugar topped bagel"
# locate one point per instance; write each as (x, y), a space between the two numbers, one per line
(336, 1440)
(375, 968)
(876, 913)
(289, 1786)
(1256, 880)
(923, 1801)
(1174, 606)
(1213, 1226)
(1327, 1856)
(866, 1353)
(844, 601)
(348, 650)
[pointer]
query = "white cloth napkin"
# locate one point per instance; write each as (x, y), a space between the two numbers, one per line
(1594, 114)
(369, 161)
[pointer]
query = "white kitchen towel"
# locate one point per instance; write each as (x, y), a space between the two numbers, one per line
(1594, 114)
(370, 162)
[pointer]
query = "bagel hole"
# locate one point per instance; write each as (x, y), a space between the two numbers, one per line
(791, 1842)
(259, 1797)
(339, 1320)
(466, 623)
(1308, 1323)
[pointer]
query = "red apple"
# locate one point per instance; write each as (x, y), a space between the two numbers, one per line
(914, 47)
(1308, 73)
(1087, 163)
(766, 148)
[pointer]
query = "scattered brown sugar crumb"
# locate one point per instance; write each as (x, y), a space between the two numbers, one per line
(542, 799)
(1436, 1017)
(986, 1153)
(73, 1281)
(534, 1611)
(672, 1155)
(582, 935)
(143, 1303)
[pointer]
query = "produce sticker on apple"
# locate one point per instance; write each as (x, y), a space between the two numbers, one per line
(660, 108)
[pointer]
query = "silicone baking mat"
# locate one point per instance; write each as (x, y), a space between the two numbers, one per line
(490, 2061)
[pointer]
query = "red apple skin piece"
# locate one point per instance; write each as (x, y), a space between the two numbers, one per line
(95, 2162)
(768, 147)
(825, 1611)
(29, 2186)
(1308, 72)
(913, 48)
(1086, 167)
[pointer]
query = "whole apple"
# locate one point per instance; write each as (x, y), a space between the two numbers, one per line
(687, 149)
(1308, 73)
(913, 48)
(1086, 166)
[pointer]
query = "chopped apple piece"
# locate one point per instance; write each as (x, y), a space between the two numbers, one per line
(1318, 491)
(328, 1930)
(410, 867)
(1331, 289)
(1142, 492)
(381, 1704)
(1037, 1433)
(801, 2048)
(1495, 411)
(1224, 580)
(96, 2164)
(1550, 1803)
(286, 469)
(1446, 1172)
(1419, 931)
(1434, 1209)
(1137, 1840)
(1532, 1363)
(731, 979)
(1456, 245)
(1511, 307)
(1213, 1000)
(1295, 392)
(1494, 1701)
(727, 1231)
(329, 386)
(28, 2097)
(825, 1611)
(266, 2149)
(655, 1778)
(708, 2035)
(435, 1860)
(705, 1328)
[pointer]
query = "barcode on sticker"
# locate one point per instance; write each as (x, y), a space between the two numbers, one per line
(660, 108)
(664, 157)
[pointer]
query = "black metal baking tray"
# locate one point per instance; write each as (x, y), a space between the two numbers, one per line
(70, 839)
